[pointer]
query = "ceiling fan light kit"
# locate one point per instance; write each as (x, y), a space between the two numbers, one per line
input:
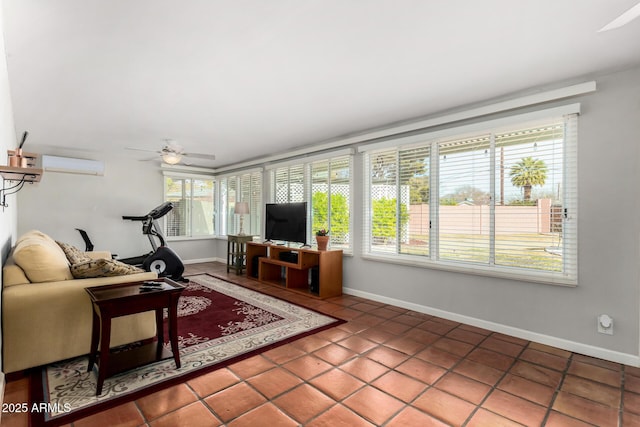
(171, 158)
(173, 153)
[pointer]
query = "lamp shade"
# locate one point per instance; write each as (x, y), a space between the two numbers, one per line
(241, 208)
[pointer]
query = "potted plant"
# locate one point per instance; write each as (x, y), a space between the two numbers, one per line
(322, 238)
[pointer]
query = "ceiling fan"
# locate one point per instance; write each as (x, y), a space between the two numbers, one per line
(623, 19)
(172, 153)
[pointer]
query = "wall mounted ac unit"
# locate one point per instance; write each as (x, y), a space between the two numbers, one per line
(71, 165)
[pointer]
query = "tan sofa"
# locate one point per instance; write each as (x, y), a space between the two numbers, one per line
(47, 314)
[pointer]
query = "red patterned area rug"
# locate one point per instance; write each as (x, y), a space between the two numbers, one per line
(219, 323)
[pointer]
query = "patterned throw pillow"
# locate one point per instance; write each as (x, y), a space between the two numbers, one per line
(74, 255)
(102, 268)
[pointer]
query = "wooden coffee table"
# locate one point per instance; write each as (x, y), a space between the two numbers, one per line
(123, 299)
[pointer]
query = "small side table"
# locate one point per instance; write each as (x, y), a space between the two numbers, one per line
(111, 301)
(237, 252)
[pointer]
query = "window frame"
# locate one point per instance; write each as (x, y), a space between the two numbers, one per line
(192, 177)
(566, 277)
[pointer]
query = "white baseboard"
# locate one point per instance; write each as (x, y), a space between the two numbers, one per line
(196, 261)
(576, 347)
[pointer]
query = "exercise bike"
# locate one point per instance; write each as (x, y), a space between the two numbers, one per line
(162, 259)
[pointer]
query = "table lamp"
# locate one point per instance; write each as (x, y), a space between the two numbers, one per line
(241, 208)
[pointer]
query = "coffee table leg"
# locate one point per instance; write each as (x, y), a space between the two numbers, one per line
(159, 332)
(173, 329)
(104, 351)
(95, 336)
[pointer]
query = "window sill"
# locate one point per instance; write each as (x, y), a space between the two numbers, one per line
(478, 270)
(189, 238)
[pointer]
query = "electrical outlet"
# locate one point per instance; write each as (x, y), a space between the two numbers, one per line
(605, 324)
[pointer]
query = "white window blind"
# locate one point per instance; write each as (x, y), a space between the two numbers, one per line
(193, 206)
(290, 184)
(464, 187)
(500, 201)
(414, 200)
(242, 187)
(529, 206)
(331, 199)
(399, 202)
(383, 202)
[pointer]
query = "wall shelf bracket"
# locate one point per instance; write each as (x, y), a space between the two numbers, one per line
(14, 179)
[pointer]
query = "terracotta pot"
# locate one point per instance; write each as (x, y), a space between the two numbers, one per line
(322, 241)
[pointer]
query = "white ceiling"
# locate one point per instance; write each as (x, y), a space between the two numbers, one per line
(246, 78)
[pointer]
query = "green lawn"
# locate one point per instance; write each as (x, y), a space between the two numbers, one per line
(528, 250)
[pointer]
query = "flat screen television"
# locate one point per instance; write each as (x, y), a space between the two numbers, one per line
(286, 222)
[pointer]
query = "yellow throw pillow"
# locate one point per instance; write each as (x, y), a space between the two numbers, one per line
(102, 268)
(41, 258)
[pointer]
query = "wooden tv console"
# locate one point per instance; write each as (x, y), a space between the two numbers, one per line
(310, 272)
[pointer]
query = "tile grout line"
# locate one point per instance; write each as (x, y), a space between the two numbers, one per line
(447, 370)
(494, 387)
(356, 356)
(370, 383)
(304, 382)
(450, 369)
(556, 392)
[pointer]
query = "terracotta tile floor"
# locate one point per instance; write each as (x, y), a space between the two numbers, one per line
(386, 366)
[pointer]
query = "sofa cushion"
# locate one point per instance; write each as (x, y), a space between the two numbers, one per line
(35, 233)
(102, 268)
(73, 254)
(41, 259)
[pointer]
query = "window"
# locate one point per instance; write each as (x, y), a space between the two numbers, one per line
(330, 201)
(325, 184)
(289, 184)
(193, 206)
(498, 201)
(244, 187)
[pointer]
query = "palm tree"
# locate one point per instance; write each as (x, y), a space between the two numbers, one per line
(527, 173)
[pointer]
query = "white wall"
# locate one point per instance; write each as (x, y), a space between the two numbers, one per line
(609, 255)
(8, 222)
(609, 237)
(62, 202)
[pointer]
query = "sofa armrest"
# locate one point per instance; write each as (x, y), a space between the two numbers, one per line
(12, 274)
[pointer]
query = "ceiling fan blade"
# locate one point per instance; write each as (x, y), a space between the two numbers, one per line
(141, 149)
(201, 155)
(623, 19)
(148, 160)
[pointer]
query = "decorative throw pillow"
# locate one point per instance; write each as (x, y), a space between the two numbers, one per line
(102, 268)
(73, 254)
